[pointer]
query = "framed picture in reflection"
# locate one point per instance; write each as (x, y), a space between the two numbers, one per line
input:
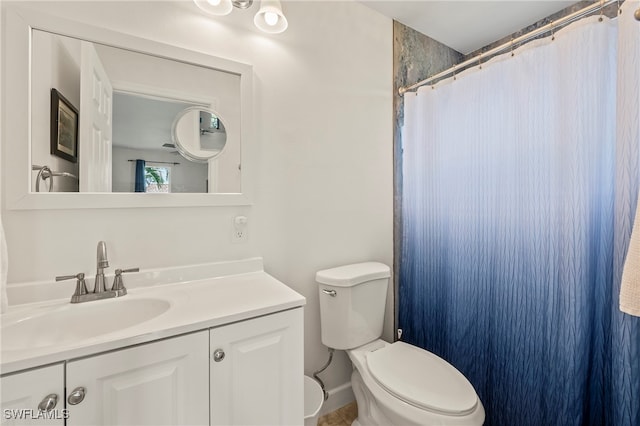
(64, 128)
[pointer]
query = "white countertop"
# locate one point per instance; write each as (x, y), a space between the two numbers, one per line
(195, 304)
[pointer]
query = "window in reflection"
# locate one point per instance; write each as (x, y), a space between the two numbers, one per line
(157, 179)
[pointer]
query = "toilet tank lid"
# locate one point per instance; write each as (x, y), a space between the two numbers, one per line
(350, 275)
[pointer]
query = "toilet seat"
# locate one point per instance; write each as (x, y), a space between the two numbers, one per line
(421, 379)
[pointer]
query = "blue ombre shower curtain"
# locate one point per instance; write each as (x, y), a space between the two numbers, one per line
(520, 181)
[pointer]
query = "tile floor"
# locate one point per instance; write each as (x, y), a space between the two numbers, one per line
(341, 417)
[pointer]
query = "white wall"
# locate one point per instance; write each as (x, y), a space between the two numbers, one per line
(57, 64)
(323, 117)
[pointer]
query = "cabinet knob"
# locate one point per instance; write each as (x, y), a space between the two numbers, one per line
(48, 403)
(218, 355)
(76, 396)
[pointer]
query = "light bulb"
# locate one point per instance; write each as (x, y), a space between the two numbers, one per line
(271, 18)
(215, 7)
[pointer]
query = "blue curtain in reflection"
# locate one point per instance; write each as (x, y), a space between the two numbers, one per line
(141, 181)
(518, 194)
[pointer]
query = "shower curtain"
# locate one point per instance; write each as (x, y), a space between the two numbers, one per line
(520, 181)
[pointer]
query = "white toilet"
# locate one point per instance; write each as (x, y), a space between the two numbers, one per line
(394, 383)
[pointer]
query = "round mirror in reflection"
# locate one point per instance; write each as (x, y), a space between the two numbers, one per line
(199, 134)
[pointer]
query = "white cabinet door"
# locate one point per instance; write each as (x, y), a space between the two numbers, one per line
(260, 379)
(23, 392)
(160, 383)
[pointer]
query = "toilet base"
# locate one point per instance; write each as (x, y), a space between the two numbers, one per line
(368, 412)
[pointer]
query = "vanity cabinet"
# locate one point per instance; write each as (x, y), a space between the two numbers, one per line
(164, 382)
(23, 392)
(257, 371)
(245, 372)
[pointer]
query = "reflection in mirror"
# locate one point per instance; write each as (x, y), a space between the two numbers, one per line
(199, 134)
(128, 103)
(144, 157)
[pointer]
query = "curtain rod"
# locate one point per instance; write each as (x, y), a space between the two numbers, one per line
(510, 44)
(158, 162)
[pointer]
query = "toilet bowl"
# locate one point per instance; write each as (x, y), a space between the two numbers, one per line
(394, 383)
(400, 384)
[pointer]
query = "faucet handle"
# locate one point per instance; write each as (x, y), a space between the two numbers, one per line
(70, 277)
(81, 285)
(118, 284)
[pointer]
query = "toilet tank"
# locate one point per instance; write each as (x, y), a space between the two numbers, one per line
(352, 303)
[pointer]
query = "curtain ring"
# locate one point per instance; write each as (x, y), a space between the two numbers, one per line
(512, 54)
(600, 19)
(480, 61)
(553, 31)
(454, 72)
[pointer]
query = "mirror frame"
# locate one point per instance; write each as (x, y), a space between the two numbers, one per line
(19, 22)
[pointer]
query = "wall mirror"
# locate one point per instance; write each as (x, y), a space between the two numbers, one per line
(151, 118)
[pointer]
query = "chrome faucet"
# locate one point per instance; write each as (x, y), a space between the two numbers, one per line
(99, 289)
(102, 262)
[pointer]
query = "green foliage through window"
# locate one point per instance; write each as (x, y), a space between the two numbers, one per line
(157, 179)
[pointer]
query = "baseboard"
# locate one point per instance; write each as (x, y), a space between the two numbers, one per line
(338, 397)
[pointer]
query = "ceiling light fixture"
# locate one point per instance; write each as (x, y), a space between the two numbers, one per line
(242, 4)
(270, 18)
(215, 7)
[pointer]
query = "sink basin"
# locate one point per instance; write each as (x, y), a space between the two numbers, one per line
(73, 322)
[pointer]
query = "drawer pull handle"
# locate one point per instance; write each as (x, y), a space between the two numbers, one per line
(48, 403)
(77, 396)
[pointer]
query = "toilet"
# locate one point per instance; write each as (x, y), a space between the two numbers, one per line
(394, 383)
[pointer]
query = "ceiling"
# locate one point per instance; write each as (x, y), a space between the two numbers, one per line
(467, 25)
(141, 122)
